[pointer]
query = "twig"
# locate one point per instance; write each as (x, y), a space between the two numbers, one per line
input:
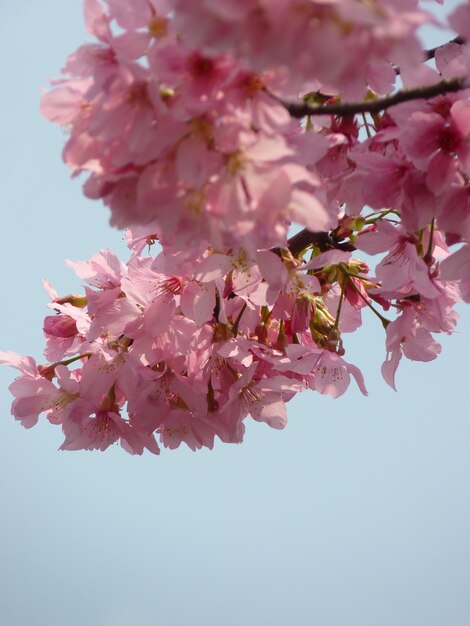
(301, 109)
(323, 240)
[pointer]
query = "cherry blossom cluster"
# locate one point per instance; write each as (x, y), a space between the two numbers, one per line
(219, 129)
(189, 351)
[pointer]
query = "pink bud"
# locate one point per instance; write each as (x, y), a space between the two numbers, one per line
(60, 326)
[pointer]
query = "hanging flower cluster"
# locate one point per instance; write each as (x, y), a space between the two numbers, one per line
(218, 129)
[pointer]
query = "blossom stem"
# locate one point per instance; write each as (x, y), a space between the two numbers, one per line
(237, 321)
(85, 355)
(428, 256)
(48, 371)
(384, 320)
(340, 303)
(379, 215)
(419, 245)
(366, 125)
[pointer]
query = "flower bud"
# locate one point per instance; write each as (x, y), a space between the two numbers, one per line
(60, 326)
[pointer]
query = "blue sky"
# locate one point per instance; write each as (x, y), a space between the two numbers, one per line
(358, 514)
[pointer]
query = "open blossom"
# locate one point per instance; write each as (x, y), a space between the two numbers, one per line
(406, 336)
(35, 393)
(324, 371)
(402, 268)
(439, 144)
(457, 267)
(104, 428)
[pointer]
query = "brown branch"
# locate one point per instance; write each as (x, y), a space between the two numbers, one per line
(323, 240)
(302, 109)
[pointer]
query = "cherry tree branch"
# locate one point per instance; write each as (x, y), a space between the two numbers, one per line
(323, 240)
(302, 109)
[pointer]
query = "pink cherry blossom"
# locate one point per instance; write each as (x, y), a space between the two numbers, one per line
(402, 268)
(35, 393)
(440, 145)
(406, 336)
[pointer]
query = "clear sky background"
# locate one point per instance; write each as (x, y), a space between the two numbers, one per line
(358, 514)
